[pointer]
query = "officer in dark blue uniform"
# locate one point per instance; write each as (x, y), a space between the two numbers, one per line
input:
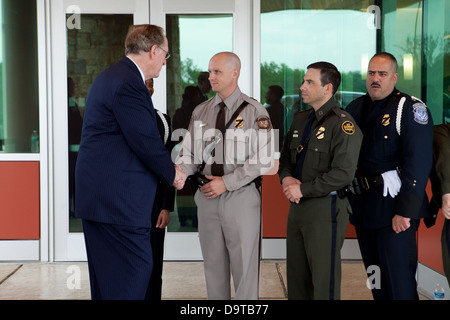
(388, 194)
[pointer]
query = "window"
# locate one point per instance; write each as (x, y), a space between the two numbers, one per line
(437, 59)
(298, 33)
(94, 47)
(418, 34)
(19, 97)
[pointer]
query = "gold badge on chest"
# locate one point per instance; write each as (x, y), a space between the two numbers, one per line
(320, 133)
(386, 120)
(239, 122)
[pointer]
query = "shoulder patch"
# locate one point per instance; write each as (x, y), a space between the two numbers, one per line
(420, 113)
(263, 122)
(348, 127)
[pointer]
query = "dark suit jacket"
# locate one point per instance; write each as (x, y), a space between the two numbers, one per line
(121, 157)
(165, 194)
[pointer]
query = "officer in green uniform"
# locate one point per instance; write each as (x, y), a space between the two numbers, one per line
(318, 161)
(440, 182)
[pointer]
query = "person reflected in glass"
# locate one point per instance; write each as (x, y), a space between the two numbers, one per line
(276, 111)
(446, 100)
(162, 206)
(192, 97)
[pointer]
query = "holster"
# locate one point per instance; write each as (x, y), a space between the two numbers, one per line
(197, 180)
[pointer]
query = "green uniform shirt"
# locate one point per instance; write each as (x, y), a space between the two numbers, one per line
(331, 155)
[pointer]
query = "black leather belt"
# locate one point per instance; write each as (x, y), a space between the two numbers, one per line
(361, 184)
(368, 183)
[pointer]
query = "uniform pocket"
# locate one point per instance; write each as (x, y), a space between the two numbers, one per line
(295, 143)
(320, 156)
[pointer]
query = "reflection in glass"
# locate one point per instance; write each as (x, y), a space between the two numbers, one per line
(97, 45)
(296, 35)
(193, 40)
(19, 95)
(436, 49)
(404, 41)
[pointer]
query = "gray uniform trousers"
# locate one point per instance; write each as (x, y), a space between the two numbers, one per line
(229, 229)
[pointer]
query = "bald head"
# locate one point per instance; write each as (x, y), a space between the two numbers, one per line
(229, 59)
(224, 69)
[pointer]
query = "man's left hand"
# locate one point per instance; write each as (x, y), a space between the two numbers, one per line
(293, 192)
(214, 188)
(400, 223)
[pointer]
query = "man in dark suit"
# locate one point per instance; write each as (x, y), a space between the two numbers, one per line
(120, 162)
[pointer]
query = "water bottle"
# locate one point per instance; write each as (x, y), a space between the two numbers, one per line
(439, 293)
(34, 142)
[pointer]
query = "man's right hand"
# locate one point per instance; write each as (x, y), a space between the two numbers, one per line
(285, 183)
(180, 178)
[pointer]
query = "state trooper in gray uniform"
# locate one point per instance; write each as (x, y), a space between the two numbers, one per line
(229, 205)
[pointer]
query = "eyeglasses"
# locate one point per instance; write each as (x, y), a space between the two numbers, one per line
(167, 52)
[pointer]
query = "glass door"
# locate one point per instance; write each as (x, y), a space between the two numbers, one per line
(87, 36)
(196, 30)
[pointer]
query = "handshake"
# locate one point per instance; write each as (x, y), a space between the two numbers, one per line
(180, 178)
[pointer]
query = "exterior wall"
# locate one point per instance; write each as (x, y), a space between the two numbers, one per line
(275, 209)
(19, 201)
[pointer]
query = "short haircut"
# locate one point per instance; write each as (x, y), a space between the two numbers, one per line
(143, 37)
(277, 90)
(389, 56)
(328, 74)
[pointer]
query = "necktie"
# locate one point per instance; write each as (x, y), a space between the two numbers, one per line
(301, 156)
(217, 168)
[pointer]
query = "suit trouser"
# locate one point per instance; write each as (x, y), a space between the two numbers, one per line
(445, 244)
(229, 230)
(315, 234)
(154, 290)
(396, 256)
(119, 260)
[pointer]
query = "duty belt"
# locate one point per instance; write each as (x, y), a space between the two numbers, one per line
(361, 184)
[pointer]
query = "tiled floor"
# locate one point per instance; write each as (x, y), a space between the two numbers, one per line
(181, 281)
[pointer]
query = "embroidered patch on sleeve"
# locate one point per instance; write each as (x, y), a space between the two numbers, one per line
(348, 127)
(420, 113)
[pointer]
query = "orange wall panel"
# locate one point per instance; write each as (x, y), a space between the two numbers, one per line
(275, 209)
(19, 200)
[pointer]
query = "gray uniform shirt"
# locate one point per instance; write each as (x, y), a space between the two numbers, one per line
(249, 143)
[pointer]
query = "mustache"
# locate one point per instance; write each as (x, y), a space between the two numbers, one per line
(375, 84)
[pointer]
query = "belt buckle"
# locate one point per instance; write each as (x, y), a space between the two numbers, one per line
(351, 189)
(299, 148)
(365, 183)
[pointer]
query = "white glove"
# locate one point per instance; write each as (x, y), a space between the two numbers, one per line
(391, 183)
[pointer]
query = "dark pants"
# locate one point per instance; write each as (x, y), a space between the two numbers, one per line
(445, 242)
(155, 287)
(396, 257)
(316, 230)
(119, 260)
